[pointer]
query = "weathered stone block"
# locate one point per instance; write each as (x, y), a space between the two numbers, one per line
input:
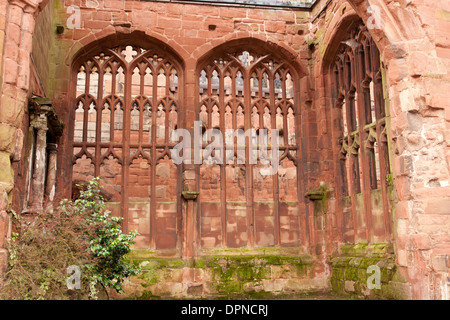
(6, 171)
(439, 263)
(349, 286)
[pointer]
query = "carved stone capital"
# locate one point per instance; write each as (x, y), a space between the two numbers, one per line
(39, 123)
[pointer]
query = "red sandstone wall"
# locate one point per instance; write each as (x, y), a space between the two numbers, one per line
(191, 31)
(16, 30)
(414, 46)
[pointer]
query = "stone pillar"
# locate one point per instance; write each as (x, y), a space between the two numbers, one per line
(51, 173)
(190, 223)
(40, 162)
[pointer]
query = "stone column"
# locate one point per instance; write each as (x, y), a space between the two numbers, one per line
(190, 244)
(38, 177)
(51, 173)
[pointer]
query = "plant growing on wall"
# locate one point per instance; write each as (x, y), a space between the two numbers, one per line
(107, 242)
(79, 234)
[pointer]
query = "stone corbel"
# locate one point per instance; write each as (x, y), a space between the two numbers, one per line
(344, 147)
(190, 195)
(371, 135)
(321, 194)
(353, 149)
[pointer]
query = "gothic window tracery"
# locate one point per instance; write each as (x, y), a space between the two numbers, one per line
(357, 92)
(126, 110)
(254, 93)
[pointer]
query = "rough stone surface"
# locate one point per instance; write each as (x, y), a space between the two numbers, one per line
(414, 44)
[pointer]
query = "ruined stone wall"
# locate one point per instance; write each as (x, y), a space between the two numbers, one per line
(413, 40)
(42, 44)
(225, 274)
(17, 20)
(191, 31)
(4, 219)
(414, 45)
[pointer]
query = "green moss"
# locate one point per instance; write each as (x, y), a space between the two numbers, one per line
(352, 264)
(231, 270)
(258, 295)
(199, 263)
(148, 295)
(290, 203)
(149, 278)
(176, 263)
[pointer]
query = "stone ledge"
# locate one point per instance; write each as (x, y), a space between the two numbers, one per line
(223, 276)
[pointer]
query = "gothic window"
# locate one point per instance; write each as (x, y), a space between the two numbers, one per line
(126, 110)
(246, 95)
(357, 83)
(357, 92)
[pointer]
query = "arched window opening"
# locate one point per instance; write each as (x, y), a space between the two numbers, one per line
(357, 93)
(125, 116)
(253, 96)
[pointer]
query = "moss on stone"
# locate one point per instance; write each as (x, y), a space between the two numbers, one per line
(147, 295)
(258, 295)
(352, 263)
(148, 277)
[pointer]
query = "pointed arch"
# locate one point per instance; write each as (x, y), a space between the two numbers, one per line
(256, 74)
(137, 92)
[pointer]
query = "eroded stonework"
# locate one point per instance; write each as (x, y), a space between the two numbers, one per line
(97, 88)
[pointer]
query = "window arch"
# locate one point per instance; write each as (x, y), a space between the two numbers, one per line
(357, 92)
(247, 92)
(127, 106)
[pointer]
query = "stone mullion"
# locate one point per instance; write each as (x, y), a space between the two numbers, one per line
(365, 153)
(113, 104)
(126, 146)
(234, 107)
(167, 108)
(248, 166)
(275, 181)
(141, 106)
(223, 181)
(383, 151)
(153, 162)
(365, 84)
(353, 183)
(353, 190)
(98, 126)
(86, 105)
(336, 114)
(285, 111)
